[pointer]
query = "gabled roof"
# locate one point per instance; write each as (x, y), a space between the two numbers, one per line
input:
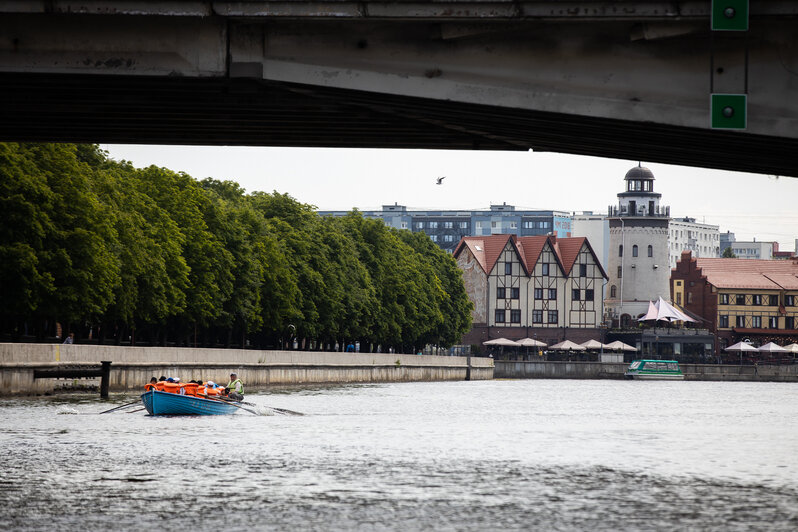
(487, 250)
(749, 273)
(531, 247)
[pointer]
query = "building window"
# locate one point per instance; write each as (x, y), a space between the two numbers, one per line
(494, 225)
(434, 238)
(552, 293)
(448, 225)
(552, 316)
(463, 225)
(448, 238)
(620, 272)
(789, 322)
(538, 293)
(419, 225)
(500, 292)
(499, 315)
(723, 299)
(740, 299)
(613, 291)
(773, 322)
(773, 300)
(589, 294)
(789, 301)
(620, 251)
(544, 268)
(537, 316)
(513, 225)
(433, 225)
(479, 226)
(689, 298)
(575, 294)
(756, 322)
(678, 298)
(404, 225)
(650, 250)
(583, 270)
(740, 321)
(508, 268)
(757, 299)
(515, 293)
(634, 250)
(723, 321)
(515, 316)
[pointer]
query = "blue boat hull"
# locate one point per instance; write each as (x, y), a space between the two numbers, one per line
(171, 404)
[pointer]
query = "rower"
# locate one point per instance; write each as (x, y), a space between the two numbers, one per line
(235, 388)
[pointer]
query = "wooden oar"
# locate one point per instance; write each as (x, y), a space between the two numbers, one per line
(281, 410)
(215, 398)
(123, 406)
(286, 411)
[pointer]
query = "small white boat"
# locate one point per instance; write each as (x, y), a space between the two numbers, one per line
(655, 370)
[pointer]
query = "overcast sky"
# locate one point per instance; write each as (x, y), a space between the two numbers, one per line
(749, 205)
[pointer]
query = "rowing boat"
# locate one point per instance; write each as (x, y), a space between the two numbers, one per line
(160, 403)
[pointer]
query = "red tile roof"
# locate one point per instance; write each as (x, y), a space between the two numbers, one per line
(487, 249)
(569, 251)
(749, 273)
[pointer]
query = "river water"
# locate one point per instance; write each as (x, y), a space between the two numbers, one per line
(489, 455)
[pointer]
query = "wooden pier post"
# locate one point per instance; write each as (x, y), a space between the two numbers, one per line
(105, 378)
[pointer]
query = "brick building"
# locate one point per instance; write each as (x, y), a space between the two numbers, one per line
(540, 287)
(740, 299)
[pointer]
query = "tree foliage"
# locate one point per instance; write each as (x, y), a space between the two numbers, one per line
(152, 254)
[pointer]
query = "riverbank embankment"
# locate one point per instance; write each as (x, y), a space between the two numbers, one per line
(132, 367)
(512, 369)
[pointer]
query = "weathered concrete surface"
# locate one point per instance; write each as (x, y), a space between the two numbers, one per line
(132, 367)
(599, 370)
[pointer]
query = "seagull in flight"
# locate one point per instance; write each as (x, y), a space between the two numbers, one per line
(439, 181)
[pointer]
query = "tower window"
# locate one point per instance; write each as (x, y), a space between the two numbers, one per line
(650, 250)
(634, 250)
(620, 250)
(613, 291)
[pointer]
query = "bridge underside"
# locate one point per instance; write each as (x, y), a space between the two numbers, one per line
(205, 111)
(629, 79)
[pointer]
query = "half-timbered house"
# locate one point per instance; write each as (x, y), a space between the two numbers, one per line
(540, 287)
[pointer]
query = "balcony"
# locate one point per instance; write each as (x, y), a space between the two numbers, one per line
(660, 211)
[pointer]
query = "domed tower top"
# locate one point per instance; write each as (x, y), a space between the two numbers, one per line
(639, 179)
(639, 198)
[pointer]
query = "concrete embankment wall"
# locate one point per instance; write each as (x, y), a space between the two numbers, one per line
(509, 369)
(132, 367)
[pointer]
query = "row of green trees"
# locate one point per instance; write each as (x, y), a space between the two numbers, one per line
(126, 255)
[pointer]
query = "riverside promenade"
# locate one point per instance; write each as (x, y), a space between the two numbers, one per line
(132, 367)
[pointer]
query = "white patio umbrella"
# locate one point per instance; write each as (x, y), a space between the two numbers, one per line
(567, 345)
(770, 347)
(617, 345)
(531, 342)
(792, 348)
(502, 342)
(741, 347)
(592, 344)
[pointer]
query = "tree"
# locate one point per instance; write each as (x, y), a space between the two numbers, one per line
(728, 253)
(57, 244)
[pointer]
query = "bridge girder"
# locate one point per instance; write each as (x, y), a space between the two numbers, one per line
(619, 79)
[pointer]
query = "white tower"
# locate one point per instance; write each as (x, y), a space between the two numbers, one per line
(638, 266)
